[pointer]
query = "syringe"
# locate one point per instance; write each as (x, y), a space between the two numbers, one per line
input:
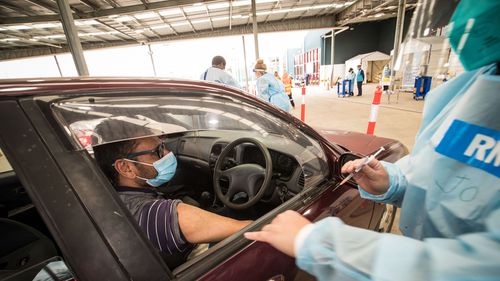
(368, 159)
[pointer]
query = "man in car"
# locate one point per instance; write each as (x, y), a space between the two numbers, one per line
(136, 167)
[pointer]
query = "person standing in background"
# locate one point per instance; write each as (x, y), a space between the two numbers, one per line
(287, 81)
(269, 88)
(217, 73)
(350, 76)
(360, 77)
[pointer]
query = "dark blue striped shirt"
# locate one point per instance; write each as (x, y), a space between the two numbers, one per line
(157, 217)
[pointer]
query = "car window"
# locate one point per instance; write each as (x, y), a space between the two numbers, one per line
(4, 163)
(187, 113)
(27, 249)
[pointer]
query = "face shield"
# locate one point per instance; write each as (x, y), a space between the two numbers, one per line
(446, 38)
(425, 52)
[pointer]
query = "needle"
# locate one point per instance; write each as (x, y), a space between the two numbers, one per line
(368, 159)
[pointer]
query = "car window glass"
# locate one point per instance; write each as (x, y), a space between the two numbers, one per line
(4, 164)
(187, 113)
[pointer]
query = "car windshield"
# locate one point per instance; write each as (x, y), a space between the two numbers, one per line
(194, 115)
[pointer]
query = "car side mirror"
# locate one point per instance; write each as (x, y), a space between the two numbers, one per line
(344, 158)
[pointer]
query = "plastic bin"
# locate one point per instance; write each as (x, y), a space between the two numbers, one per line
(421, 87)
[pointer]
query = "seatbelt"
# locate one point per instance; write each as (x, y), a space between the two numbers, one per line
(205, 75)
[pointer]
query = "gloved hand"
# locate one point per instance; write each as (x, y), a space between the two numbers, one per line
(281, 232)
(373, 178)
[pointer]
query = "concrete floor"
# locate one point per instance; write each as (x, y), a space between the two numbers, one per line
(400, 119)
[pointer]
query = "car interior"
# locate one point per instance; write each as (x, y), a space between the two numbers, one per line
(27, 249)
(198, 128)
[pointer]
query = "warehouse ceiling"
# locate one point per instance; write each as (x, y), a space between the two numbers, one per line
(33, 27)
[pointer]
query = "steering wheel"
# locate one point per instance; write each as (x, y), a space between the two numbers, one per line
(244, 177)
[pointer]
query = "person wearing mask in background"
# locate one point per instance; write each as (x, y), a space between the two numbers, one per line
(218, 74)
(136, 168)
(448, 188)
(287, 81)
(269, 88)
(360, 77)
(350, 76)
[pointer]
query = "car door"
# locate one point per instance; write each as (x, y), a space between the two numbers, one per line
(94, 233)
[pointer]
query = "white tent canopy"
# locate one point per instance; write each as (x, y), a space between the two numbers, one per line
(372, 63)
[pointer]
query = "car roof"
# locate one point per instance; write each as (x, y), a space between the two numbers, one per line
(75, 85)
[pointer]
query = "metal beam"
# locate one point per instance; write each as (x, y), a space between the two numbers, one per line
(359, 10)
(255, 29)
(210, 18)
(332, 58)
(150, 52)
(245, 60)
(230, 14)
(397, 38)
(16, 8)
(308, 23)
(49, 5)
(105, 12)
(72, 37)
(186, 18)
(31, 40)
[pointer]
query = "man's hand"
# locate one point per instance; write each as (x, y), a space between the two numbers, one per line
(281, 232)
(373, 178)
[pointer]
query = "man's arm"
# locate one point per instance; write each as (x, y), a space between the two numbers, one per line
(200, 226)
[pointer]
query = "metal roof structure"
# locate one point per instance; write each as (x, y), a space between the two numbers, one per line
(33, 27)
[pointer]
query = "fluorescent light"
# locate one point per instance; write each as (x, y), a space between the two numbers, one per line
(169, 12)
(241, 3)
(19, 27)
(216, 6)
(200, 21)
(240, 16)
(9, 39)
(86, 22)
(49, 36)
(124, 18)
(148, 15)
(46, 25)
(179, 23)
(159, 26)
(220, 18)
(193, 9)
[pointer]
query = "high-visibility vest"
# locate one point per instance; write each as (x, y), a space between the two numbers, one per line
(288, 85)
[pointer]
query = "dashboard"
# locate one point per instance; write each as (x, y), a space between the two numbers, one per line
(203, 151)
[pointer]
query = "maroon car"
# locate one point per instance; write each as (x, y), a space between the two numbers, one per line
(61, 218)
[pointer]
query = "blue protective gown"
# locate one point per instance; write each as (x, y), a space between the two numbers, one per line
(448, 189)
(220, 76)
(272, 90)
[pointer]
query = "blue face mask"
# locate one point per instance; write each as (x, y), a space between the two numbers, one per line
(165, 167)
(474, 32)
